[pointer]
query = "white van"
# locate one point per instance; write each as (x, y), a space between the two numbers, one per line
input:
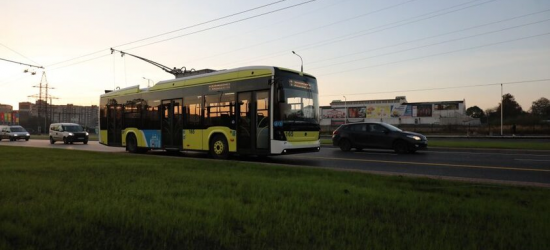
(13, 133)
(68, 133)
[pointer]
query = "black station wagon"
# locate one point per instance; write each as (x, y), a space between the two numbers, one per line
(377, 135)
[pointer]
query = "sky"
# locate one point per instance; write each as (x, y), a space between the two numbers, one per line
(426, 50)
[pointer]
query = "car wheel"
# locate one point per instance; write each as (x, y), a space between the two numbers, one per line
(400, 147)
(131, 144)
(65, 141)
(345, 145)
(85, 142)
(219, 148)
(52, 141)
(27, 139)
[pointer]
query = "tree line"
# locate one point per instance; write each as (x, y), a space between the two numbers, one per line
(513, 113)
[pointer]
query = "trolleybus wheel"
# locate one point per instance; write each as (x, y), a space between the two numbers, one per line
(219, 148)
(131, 144)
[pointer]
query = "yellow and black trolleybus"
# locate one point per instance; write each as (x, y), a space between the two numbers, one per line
(259, 110)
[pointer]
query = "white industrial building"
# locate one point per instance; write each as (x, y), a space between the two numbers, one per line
(396, 111)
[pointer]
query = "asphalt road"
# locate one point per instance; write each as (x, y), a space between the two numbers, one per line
(508, 166)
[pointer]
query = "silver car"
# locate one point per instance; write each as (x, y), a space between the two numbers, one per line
(14, 133)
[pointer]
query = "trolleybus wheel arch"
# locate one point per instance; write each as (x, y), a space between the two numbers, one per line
(219, 149)
(131, 144)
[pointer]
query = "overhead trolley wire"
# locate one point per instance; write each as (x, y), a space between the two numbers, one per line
(429, 37)
(19, 53)
(169, 32)
(373, 30)
(309, 30)
(439, 54)
(433, 44)
(443, 88)
(225, 24)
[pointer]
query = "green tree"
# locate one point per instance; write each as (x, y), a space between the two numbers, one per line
(541, 108)
(512, 109)
(475, 112)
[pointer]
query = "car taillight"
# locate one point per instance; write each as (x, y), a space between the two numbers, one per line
(335, 133)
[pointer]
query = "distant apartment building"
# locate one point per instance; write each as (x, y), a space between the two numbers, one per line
(86, 116)
(5, 108)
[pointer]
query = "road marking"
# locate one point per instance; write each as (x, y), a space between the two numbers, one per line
(429, 164)
(530, 160)
(488, 153)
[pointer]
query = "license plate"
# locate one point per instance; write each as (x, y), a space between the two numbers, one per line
(80, 138)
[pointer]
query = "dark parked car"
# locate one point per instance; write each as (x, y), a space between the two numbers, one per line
(377, 135)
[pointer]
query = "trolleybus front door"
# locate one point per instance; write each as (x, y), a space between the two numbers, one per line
(253, 122)
(172, 124)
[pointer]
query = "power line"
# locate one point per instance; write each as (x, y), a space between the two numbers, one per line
(443, 88)
(95, 58)
(18, 53)
(429, 37)
(373, 30)
(433, 44)
(438, 54)
(169, 32)
(30, 65)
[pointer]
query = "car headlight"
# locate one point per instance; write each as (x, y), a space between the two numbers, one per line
(415, 137)
(16, 135)
(28, 134)
(87, 134)
(71, 134)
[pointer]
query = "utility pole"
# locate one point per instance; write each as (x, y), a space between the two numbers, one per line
(501, 109)
(346, 110)
(51, 108)
(42, 99)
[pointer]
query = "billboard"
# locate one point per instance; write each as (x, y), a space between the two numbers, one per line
(401, 110)
(357, 112)
(333, 113)
(378, 111)
(424, 110)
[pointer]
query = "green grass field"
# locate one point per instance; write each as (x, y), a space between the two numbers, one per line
(543, 145)
(57, 199)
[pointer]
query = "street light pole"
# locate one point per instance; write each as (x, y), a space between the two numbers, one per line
(147, 81)
(302, 65)
(345, 110)
(501, 109)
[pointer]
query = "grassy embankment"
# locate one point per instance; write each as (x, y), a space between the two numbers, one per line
(52, 199)
(543, 145)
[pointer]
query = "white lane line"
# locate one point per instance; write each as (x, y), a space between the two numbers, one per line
(488, 153)
(531, 160)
